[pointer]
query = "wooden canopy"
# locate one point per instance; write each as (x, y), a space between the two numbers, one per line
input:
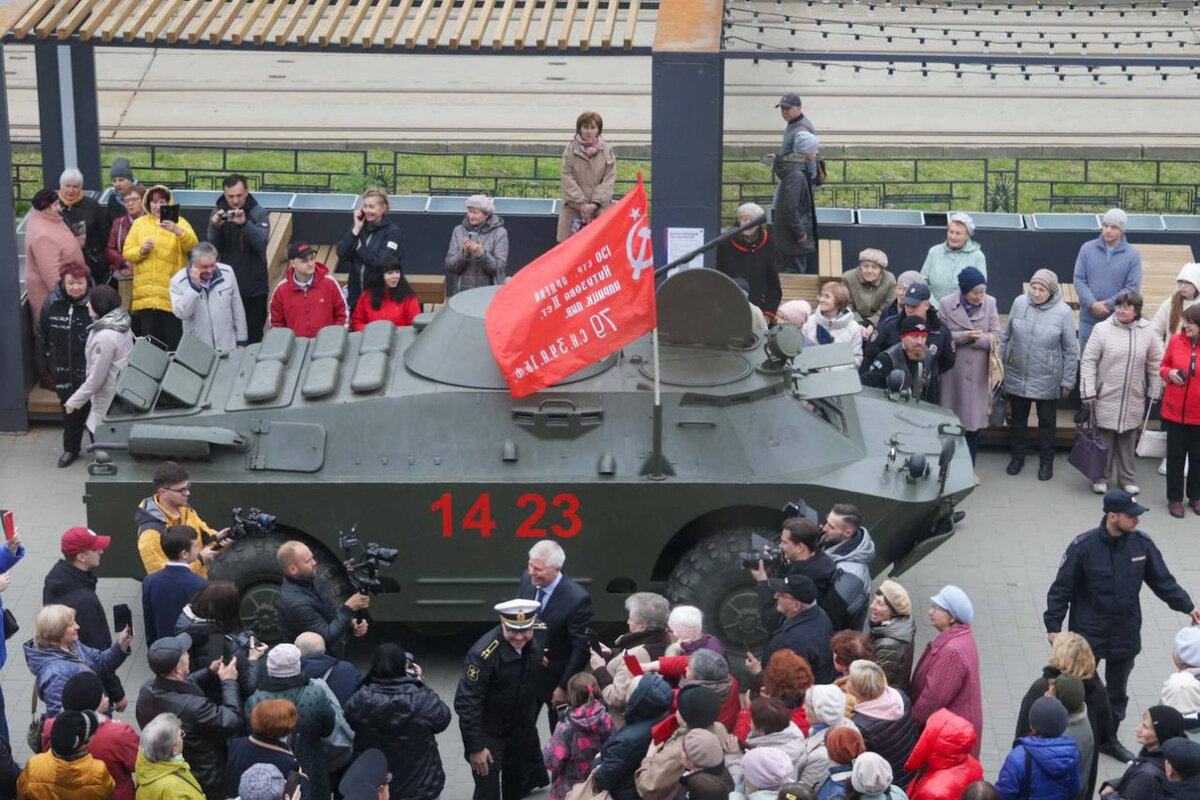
(443, 25)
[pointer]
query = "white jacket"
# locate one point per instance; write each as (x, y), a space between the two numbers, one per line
(1162, 317)
(108, 347)
(841, 328)
(214, 315)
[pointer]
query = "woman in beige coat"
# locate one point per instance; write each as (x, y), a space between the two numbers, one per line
(1118, 371)
(589, 172)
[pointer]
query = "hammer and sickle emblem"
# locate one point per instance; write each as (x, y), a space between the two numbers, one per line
(638, 246)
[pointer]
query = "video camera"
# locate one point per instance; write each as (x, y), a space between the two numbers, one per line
(254, 522)
(768, 551)
(363, 571)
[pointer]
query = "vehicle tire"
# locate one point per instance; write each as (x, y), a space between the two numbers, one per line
(251, 565)
(711, 577)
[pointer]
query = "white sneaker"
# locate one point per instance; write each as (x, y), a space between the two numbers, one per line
(1132, 488)
(1100, 487)
(1162, 467)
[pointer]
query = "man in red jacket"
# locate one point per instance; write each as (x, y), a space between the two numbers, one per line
(308, 298)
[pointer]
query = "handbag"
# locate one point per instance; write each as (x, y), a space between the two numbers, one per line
(586, 790)
(11, 628)
(1151, 444)
(1089, 455)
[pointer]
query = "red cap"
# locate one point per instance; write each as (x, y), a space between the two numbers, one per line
(76, 540)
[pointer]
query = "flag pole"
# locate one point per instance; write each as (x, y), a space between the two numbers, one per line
(656, 467)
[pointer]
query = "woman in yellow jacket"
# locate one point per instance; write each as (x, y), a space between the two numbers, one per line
(161, 772)
(157, 249)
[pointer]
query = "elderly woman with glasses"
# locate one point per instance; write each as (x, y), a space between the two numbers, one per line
(947, 676)
(161, 772)
(55, 654)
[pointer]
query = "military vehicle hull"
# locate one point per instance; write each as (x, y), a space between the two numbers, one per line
(464, 479)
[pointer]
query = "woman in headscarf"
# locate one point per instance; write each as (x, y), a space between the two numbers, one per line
(946, 259)
(1041, 358)
(589, 173)
(478, 251)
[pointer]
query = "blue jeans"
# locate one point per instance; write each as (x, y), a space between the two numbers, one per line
(1085, 330)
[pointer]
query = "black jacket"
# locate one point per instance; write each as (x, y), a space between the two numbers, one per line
(303, 606)
(244, 247)
(794, 215)
(63, 327)
(893, 641)
(9, 770)
(755, 263)
(357, 254)
(567, 617)
(1144, 779)
(1099, 578)
(893, 739)
(206, 725)
(889, 335)
(164, 594)
(402, 717)
(821, 569)
(341, 676)
(250, 750)
(1099, 713)
(209, 644)
(937, 361)
(622, 754)
(807, 634)
(497, 696)
(1183, 790)
(95, 218)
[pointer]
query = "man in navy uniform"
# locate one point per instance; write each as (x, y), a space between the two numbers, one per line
(1099, 578)
(497, 702)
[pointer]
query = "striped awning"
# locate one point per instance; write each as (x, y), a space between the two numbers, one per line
(595, 26)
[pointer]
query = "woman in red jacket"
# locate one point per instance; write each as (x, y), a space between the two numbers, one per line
(388, 296)
(1181, 413)
(942, 758)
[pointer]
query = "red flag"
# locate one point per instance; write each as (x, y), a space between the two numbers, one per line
(588, 297)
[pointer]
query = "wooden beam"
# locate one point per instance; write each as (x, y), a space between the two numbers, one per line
(688, 26)
(389, 41)
(272, 18)
(589, 22)
(502, 27)
(485, 18)
(631, 21)
(381, 9)
(414, 32)
(460, 25)
(543, 34)
(231, 15)
(51, 20)
(97, 19)
(76, 18)
(336, 12)
(356, 20)
(526, 21)
(114, 22)
(210, 14)
(134, 27)
(318, 10)
(168, 14)
(251, 17)
(610, 24)
(564, 36)
(298, 9)
(181, 23)
(439, 24)
(32, 17)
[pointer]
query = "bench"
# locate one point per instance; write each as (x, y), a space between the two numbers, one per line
(1160, 265)
(829, 259)
(277, 245)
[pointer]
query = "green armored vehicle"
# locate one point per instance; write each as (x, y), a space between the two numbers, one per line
(410, 436)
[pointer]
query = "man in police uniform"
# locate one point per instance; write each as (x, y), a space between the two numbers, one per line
(1099, 579)
(497, 701)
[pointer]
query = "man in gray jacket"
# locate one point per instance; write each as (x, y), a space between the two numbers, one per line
(1105, 267)
(205, 296)
(240, 228)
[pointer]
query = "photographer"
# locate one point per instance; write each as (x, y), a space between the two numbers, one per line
(239, 228)
(169, 506)
(166, 592)
(800, 553)
(304, 607)
(397, 713)
(211, 621)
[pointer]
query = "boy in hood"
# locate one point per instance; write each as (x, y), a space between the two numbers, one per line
(1054, 771)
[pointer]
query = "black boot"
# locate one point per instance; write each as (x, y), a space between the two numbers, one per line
(1015, 465)
(1114, 749)
(1046, 469)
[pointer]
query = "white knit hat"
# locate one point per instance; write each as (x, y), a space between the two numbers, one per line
(828, 703)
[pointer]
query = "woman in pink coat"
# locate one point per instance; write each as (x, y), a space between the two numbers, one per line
(947, 676)
(50, 247)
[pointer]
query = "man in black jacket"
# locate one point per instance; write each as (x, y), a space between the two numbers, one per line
(240, 229)
(800, 544)
(806, 629)
(921, 361)
(71, 582)
(1099, 579)
(917, 302)
(497, 702)
(304, 607)
(206, 725)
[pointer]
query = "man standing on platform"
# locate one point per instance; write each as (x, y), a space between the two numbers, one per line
(240, 229)
(1105, 267)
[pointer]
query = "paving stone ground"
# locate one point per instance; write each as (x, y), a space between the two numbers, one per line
(1004, 556)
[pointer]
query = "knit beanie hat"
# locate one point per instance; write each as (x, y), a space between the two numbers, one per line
(965, 220)
(872, 774)
(44, 198)
(1190, 273)
(71, 732)
(120, 169)
(698, 705)
(1182, 692)
(896, 598)
(703, 748)
(1070, 692)
(1116, 217)
(1048, 717)
(1187, 645)
(483, 203)
(767, 767)
(828, 703)
(82, 692)
(1047, 278)
(955, 600)
(969, 278)
(1167, 722)
(283, 661)
(796, 312)
(874, 256)
(261, 782)
(844, 744)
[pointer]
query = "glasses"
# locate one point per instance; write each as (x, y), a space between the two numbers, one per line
(180, 490)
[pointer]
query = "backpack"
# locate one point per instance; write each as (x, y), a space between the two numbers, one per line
(339, 745)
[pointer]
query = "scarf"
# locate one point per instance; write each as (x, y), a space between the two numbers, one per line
(589, 150)
(970, 307)
(116, 320)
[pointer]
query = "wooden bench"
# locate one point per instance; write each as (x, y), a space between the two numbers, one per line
(800, 287)
(1160, 265)
(829, 259)
(277, 245)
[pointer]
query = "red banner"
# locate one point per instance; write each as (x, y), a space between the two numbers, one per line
(588, 297)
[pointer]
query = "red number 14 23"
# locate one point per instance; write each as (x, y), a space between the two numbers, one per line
(564, 523)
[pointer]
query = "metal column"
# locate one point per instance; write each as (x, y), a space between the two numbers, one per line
(68, 111)
(13, 416)
(50, 112)
(87, 115)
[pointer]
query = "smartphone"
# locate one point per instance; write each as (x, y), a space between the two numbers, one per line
(632, 664)
(362, 215)
(122, 618)
(594, 641)
(170, 213)
(472, 236)
(289, 786)
(10, 527)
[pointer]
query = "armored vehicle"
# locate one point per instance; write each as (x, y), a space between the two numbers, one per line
(410, 436)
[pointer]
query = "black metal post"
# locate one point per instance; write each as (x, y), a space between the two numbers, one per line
(686, 129)
(50, 112)
(13, 415)
(87, 115)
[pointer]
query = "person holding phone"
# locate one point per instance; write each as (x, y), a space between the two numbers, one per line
(371, 235)
(157, 247)
(478, 253)
(210, 618)
(55, 655)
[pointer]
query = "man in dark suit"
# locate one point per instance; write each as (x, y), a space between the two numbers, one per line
(166, 592)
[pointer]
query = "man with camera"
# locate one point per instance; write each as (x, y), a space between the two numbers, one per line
(169, 506)
(304, 607)
(806, 629)
(240, 229)
(799, 553)
(166, 592)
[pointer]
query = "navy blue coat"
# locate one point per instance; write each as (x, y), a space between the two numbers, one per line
(1099, 578)
(341, 676)
(622, 754)
(1055, 772)
(164, 594)
(567, 617)
(807, 634)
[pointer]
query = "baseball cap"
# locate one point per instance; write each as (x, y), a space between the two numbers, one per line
(917, 293)
(300, 250)
(789, 99)
(801, 587)
(1122, 502)
(76, 540)
(912, 325)
(165, 653)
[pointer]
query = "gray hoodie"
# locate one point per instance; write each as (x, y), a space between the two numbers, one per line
(855, 555)
(470, 272)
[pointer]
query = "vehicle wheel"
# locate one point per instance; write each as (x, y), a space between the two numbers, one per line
(711, 577)
(251, 565)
